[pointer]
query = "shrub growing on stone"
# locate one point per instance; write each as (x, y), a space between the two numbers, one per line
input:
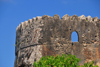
(61, 61)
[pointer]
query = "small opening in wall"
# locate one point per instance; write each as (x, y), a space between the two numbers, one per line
(92, 19)
(74, 36)
(72, 44)
(95, 36)
(70, 29)
(34, 59)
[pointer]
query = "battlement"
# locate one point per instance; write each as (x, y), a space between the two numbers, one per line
(65, 17)
(52, 35)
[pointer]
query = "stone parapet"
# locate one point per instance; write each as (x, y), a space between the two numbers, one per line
(45, 34)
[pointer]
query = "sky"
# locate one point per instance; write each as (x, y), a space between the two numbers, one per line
(13, 12)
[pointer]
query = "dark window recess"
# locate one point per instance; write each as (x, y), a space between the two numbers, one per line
(70, 29)
(72, 44)
(95, 36)
(92, 19)
(35, 59)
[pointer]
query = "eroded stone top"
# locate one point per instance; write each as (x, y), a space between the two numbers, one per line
(65, 17)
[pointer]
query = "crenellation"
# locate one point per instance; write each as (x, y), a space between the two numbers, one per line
(44, 17)
(49, 17)
(89, 18)
(30, 21)
(95, 19)
(18, 27)
(56, 16)
(46, 35)
(65, 17)
(26, 23)
(74, 17)
(82, 17)
(38, 18)
(22, 23)
(71, 19)
(34, 19)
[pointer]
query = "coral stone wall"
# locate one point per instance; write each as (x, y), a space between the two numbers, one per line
(47, 35)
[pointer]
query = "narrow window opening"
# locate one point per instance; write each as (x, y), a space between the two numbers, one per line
(22, 65)
(74, 36)
(95, 36)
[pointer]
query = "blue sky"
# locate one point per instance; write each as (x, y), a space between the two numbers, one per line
(74, 36)
(13, 12)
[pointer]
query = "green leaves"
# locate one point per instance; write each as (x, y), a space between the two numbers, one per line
(89, 64)
(61, 61)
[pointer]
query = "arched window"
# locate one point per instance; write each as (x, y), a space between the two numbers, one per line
(74, 36)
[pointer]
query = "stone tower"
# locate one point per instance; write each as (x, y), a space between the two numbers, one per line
(47, 35)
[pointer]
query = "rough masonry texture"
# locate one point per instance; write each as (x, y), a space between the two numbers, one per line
(48, 35)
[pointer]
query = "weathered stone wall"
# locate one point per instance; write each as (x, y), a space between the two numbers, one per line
(47, 35)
